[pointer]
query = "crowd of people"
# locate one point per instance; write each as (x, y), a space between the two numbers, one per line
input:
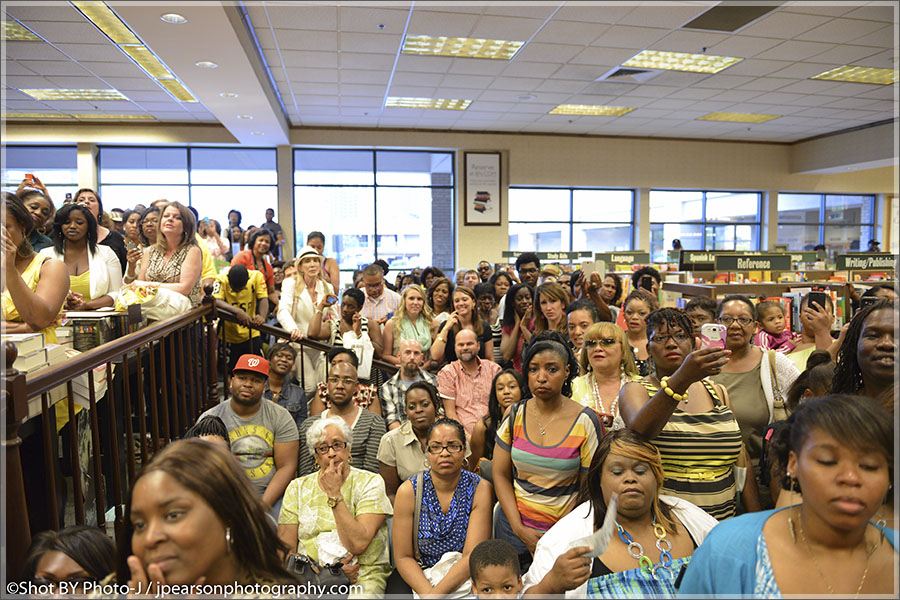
(529, 401)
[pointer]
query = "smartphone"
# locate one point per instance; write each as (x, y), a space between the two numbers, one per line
(69, 197)
(817, 297)
(588, 267)
(647, 283)
(29, 176)
(712, 335)
(331, 300)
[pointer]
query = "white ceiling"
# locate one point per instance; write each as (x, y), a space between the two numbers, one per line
(334, 63)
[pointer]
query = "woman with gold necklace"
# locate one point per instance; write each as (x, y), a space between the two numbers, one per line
(841, 459)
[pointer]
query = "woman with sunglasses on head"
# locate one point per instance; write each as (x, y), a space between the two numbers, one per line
(607, 364)
(756, 381)
(689, 419)
(454, 516)
(841, 460)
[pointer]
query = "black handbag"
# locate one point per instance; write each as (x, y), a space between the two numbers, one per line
(310, 572)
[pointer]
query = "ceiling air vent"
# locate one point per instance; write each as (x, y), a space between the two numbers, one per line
(626, 75)
(729, 17)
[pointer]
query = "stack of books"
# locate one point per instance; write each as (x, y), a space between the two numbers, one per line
(94, 328)
(31, 353)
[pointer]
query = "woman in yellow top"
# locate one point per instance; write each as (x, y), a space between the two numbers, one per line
(35, 286)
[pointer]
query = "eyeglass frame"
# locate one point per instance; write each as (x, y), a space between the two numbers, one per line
(441, 447)
(727, 320)
(661, 338)
(322, 449)
(344, 380)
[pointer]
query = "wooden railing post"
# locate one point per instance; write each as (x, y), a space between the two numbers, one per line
(15, 407)
(212, 367)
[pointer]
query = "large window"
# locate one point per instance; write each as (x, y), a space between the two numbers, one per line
(570, 219)
(376, 204)
(703, 220)
(212, 180)
(841, 222)
(55, 166)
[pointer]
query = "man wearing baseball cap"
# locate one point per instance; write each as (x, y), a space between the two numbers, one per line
(263, 435)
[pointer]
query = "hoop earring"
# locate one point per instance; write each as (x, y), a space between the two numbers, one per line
(229, 542)
(26, 246)
(350, 460)
(466, 462)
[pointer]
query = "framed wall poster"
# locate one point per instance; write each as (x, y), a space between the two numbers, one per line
(482, 188)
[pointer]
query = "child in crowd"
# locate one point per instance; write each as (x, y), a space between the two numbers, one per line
(772, 334)
(494, 570)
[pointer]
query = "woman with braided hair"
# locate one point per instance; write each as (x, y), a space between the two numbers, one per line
(689, 418)
(865, 361)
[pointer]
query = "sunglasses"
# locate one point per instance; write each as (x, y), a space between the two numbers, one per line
(605, 342)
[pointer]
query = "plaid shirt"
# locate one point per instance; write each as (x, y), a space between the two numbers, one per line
(382, 306)
(393, 396)
(470, 393)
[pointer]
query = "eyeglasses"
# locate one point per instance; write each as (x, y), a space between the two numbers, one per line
(337, 447)
(484, 268)
(344, 380)
(452, 448)
(727, 321)
(678, 337)
(605, 342)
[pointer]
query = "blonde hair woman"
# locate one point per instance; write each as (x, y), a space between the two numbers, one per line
(413, 320)
(550, 300)
(304, 297)
(607, 364)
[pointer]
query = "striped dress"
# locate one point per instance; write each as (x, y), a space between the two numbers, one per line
(699, 452)
(546, 478)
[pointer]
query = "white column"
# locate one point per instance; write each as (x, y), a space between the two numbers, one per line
(642, 220)
(285, 216)
(769, 220)
(87, 166)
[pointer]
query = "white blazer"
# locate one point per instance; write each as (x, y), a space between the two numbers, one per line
(106, 270)
(291, 317)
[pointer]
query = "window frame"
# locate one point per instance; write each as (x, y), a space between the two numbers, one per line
(12, 186)
(821, 224)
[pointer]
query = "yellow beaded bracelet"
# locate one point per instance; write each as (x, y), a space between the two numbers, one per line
(672, 393)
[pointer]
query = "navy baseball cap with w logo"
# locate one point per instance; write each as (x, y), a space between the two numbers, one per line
(252, 362)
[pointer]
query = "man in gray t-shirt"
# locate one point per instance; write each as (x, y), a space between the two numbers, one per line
(263, 435)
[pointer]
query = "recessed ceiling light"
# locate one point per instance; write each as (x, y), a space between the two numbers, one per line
(460, 47)
(57, 94)
(173, 18)
(256, 133)
(591, 110)
(526, 97)
(247, 117)
(107, 21)
(177, 90)
(438, 103)
(13, 31)
(681, 61)
(737, 117)
(859, 75)
(228, 95)
(205, 64)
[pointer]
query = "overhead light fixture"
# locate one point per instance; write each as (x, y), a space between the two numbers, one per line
(591, 110)
(205, 64)
(176, 89)
(147, 61)
(438, 103)
(737, 117)
(56, 94)
(526, 97)
(857, 74)
(681, 61)
(90, 117)
(36, 116)
(107, 21)
(16, 32)
(228, 95)
(246, 117)
(460, 47)
(256, 133)
(173, 18)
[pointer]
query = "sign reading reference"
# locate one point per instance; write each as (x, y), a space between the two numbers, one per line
(753, 262)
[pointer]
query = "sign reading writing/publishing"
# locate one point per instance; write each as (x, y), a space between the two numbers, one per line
(550, 255)
(865, 261)
(637, 257)
(753, 262)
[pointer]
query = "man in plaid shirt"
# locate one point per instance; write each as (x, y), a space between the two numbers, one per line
(393, 391)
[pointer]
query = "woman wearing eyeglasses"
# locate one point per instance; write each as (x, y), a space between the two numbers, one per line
(607, 363)
(757, 382)
(338, 513)
(454, 516)
(689, 419)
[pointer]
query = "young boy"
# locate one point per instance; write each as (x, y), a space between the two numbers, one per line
(244, 293)
(701, 310)
(772, 334)
(494, 570)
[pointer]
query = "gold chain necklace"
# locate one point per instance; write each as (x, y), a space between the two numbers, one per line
(816, 562)
(541, 427)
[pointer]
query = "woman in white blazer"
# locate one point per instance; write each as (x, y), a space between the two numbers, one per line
(95, 272)
(304, 297)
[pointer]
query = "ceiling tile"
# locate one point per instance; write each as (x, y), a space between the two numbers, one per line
(149, 96)
(319, 110)
(795, 50)
(802, 70)
(553, 53)
(670, 104)
(537, 10)
(95, 52)
(112, 69)
(883, 38)
(366, 102)
(12, 67)
(532, 108)
(489, 106)
(479, 82)
(682, 79)
(349, 89)
(505, 27)
(84, 32)
(671, 15)
(884, 60)
(499, 96)
(76, 83)
(155, 107)
(308, 58)
(694, 93)
(426, 22)
(426, 64)
(475, 66)
(757, 67)
(855, 89)
(569, 32)
(519, 68)
(410, 91)
(742, 46)
(457, 93)
(851, 103)
(370, 42)
(307, 75)
(420, 79)
(561, 86)
(873, 12)
(293, 39)
(734, 95)
(356, 60)
(602, 56)
(303, 17)
(841, 31)
(584, 73)
(49, 68)
(784, 25)
(845, 54)
(724, 81)
(766, 84)
(322, 89)
(622, 36)
(692, 42)
(43, 12)
(266, 39)
(32, 51)
(588, 13)
(363, 76)
(366, 20)
(652, 91)
(519, 84)
(126, 84)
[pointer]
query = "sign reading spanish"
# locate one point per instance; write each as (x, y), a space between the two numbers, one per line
(699, 260)
(867, 261)
(753, 262)
(550, 255)
(637, 257)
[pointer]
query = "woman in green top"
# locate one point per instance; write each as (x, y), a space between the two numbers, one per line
(413, 320)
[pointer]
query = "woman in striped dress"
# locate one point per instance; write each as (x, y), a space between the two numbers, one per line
(689, 419)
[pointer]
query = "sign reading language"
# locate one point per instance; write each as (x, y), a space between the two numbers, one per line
(482, 188)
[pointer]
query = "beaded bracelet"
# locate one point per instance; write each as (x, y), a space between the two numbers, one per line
(672, 393)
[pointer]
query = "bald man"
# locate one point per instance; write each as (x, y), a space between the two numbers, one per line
(393, 392)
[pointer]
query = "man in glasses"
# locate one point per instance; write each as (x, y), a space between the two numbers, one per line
(465, 383)
(367, 427)
(263, 435)
(485, 271)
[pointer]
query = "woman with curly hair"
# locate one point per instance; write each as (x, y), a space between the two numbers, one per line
(544, 446)
(865, 361)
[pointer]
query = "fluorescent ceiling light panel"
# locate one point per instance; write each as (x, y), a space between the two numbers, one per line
(591, 110)
(54, 94)
(108, 22)
(859, 75)
(14, 32)
(681, 61)
(439, 103)
(146, 59)
(90, 116)
(36, 116)
(460, 47)
(176, 89)
(737, 117)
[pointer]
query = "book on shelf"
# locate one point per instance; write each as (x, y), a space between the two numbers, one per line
(25, 343)
(25, 363)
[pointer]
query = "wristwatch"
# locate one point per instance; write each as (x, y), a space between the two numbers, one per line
(332, 502)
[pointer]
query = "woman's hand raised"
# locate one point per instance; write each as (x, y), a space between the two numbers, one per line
(702, 363)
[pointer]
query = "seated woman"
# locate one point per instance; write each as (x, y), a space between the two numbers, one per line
(34, 286)
(185, 524)
(74, 556)
(607, 364)
(413, 320)
(647, 522)
(338, 513)
(148, 226)
(698, 436)
(366, 395)
(454, 515)
(506, 390)
(351, 321)
(95, 274)
(106, 236)
(438, 298)
(517, 324)
(841, 459)
(401, 453)
(464, 316)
